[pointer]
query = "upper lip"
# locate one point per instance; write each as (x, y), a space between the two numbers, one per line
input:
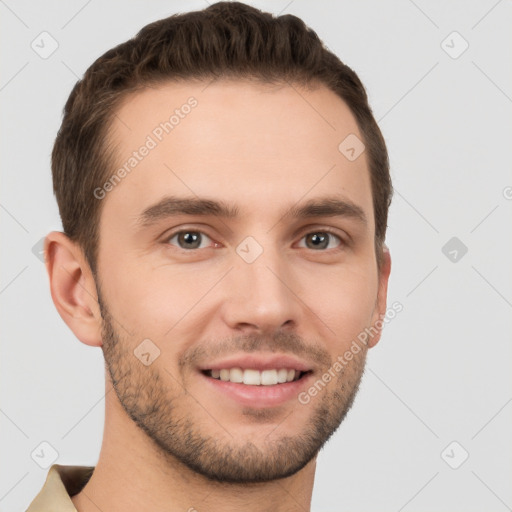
(258, 362)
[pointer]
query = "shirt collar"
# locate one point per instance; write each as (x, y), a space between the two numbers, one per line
(61, 483)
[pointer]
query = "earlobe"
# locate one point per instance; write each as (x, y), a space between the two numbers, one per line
(72, 287)
(381, 302)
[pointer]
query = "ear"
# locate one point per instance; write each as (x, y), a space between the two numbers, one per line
(382, 294)
(73, 288)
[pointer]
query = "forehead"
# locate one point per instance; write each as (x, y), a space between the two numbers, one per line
(240, 141)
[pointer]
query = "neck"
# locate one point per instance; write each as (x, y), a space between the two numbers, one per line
(132, 474)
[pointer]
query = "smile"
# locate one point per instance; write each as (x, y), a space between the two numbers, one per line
(253, 377)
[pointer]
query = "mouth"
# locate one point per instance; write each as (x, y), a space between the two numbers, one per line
(257, 380)
(255, 377)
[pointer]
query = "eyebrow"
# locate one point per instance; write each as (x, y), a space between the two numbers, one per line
(171, 206)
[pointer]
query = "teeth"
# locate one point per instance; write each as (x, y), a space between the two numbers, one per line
(269, 377)
(252, 377)
(282, 375)
(236, 375)
(255, 377)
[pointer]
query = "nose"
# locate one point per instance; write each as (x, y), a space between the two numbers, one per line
(261, 296)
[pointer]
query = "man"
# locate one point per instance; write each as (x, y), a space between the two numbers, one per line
(224, 190)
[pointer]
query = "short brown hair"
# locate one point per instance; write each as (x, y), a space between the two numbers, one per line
(227, 39)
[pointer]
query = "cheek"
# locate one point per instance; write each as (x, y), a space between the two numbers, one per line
(345, 302)
(152, 300)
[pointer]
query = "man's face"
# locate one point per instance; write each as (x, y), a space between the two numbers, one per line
(265, 290)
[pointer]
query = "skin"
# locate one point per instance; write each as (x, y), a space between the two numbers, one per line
(264, 149)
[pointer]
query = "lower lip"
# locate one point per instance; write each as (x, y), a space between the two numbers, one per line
(259, 396)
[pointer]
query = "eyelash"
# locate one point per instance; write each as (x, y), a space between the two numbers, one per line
(324, 230)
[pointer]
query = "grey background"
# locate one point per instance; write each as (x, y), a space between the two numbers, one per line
(441, 372)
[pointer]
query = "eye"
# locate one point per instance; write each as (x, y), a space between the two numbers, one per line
(189, 239)
(193, 239)
(318, 240)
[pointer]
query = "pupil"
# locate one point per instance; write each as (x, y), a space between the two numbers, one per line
(318, 240)
(190, 238)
